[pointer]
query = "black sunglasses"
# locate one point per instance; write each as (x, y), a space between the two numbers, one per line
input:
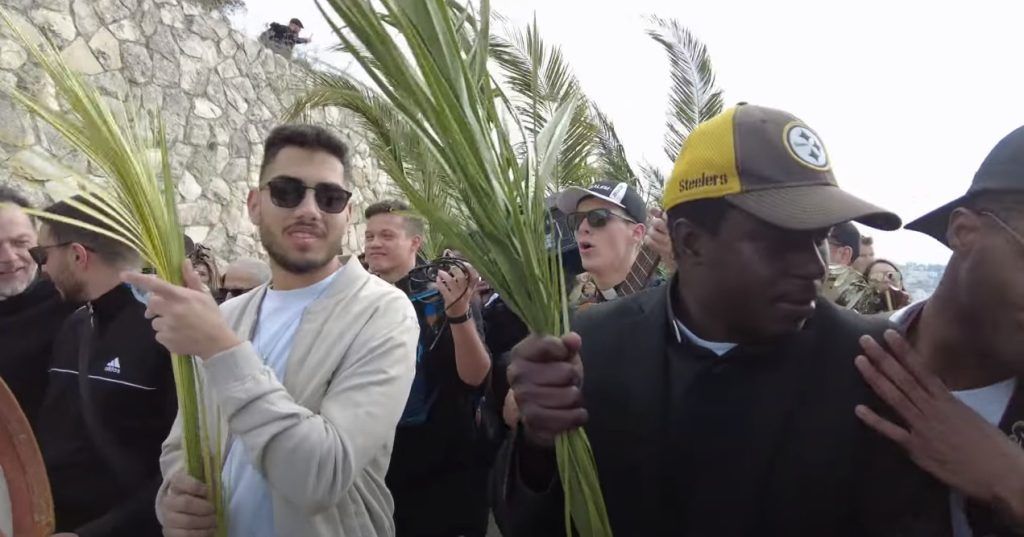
(40, 254)
(288, 193)
(597, 218)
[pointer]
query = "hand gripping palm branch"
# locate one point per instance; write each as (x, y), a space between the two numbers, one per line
(429, 60)
(136, 202)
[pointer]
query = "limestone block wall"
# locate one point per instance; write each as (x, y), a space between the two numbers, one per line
(218, 91)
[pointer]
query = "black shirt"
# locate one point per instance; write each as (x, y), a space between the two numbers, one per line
(28, 323)
(434, 477)
(102, 450)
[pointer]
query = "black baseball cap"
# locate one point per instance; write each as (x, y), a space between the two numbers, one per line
(770, 164)
(846, 234)
(615, 192)
(1002, 170)
(296, 22)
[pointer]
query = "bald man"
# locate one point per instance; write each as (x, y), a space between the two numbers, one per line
(243, 276)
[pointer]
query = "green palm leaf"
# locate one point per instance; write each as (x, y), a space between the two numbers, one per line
(695, 98)
(540, 80)
(428, 60)
(137, 202)
(611, 155)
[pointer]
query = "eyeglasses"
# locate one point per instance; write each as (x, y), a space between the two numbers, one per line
(40, 254)
(597, 218)
(288, 193)
(1016, 236)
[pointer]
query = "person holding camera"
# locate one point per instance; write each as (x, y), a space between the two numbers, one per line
(435, 477)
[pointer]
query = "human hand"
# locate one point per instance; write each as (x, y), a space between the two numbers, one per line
(457, 288)
(186, 319)
(186, 510)
(942, 435)
(658, 238)
(546, 375)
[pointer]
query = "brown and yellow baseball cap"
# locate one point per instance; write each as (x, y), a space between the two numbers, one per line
(773, 166)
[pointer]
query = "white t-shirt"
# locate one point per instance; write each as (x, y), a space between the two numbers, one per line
(990, 403)
(250, 508)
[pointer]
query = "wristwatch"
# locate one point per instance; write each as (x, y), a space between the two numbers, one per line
(459, 319)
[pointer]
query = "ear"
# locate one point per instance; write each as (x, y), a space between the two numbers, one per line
(417, 242)
(252, 203)
(964, 229)
(639, 232)
(80, 257)
(687, 241)
(847, 255)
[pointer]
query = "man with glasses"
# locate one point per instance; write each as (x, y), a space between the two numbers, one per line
(308, 374)
(608, 221)
(958, 389)
(31, 310)
(111, 398)
(435, 473)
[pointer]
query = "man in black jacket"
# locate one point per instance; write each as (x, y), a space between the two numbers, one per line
(721, 404)
(961, 394)
(111, 399)
(31, 311)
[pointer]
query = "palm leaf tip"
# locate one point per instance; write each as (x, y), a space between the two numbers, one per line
(694, 96)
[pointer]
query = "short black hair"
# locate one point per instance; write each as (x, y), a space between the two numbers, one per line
(9, 195)
(309, 137)
(413, 224)
(707, 214)
(846, 234)
(110, 250)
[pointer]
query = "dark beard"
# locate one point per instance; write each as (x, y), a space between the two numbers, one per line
(304, 266)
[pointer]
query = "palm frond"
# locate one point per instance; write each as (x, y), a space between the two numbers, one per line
(611, 155)
(540, 81)
(137, 204)
(433, 72)
(652, 184)
(695, 96)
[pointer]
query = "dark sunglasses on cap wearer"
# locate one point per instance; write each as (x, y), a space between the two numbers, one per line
(597, 218)
(288, 193)
(40, 254)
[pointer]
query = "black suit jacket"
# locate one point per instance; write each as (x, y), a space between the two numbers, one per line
(761, 441)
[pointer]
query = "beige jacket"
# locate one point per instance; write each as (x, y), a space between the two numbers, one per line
(322, 439)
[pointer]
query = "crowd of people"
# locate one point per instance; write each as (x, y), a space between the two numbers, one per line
(751, 368)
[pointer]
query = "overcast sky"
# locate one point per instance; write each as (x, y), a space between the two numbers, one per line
(908, 97)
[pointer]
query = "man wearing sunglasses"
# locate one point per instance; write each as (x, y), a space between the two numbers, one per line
(720, 404)
(959, 389)
(309, 373)
(111, 398)
(608, 222)
(31, 310)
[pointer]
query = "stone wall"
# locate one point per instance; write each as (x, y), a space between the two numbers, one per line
(218, 91)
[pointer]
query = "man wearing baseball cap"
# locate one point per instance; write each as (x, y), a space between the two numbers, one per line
(720, 404)
(960, 394)
(607, 220)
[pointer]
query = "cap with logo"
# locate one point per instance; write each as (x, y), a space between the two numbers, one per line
(1002, 171)
(615, 192)
(771, 165)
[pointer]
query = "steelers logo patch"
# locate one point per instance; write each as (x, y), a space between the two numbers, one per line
(806, 147)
